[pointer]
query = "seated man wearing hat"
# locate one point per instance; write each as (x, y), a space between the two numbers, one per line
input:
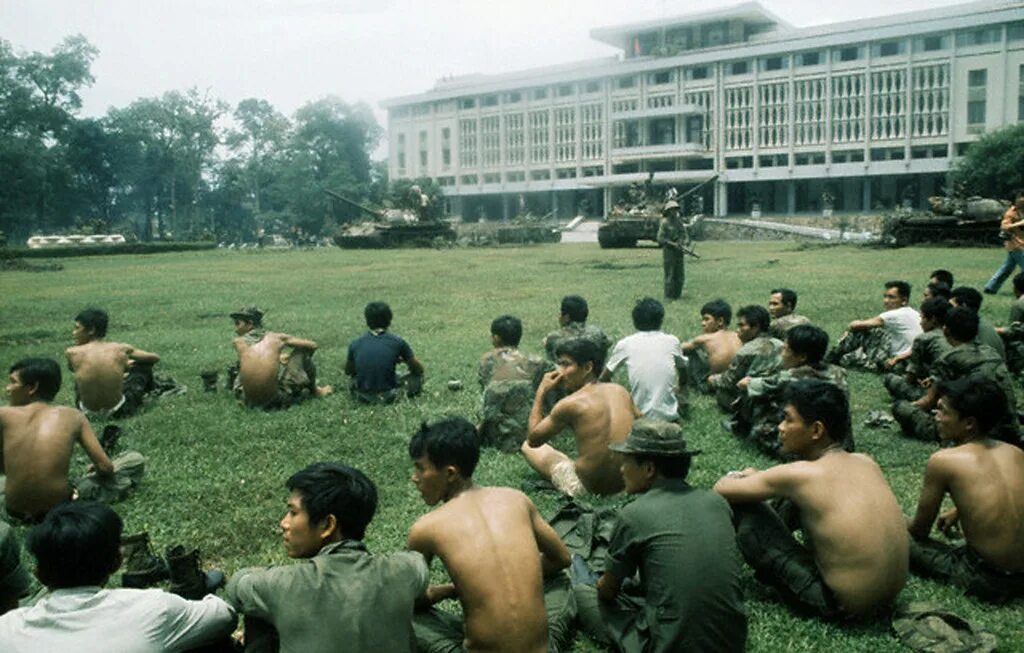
(680, 541)
(268, 375)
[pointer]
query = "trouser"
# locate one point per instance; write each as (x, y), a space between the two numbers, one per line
(129, 468)
(900, 388)
(1013, 260)
(409, 385)
(620, 624)
(780, 561)
(442, 632)
(138, 381)
(675, 272)
(862, 349)
(296, 380)
(914, 422)
(1015, 356)
(964, 568)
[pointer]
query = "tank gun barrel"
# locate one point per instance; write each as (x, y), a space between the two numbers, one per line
(346, 200)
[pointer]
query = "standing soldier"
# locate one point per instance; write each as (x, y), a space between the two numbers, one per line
(672, 239)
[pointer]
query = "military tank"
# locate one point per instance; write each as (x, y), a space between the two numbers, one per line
(393, 227)
(972, 220)
(638, 218)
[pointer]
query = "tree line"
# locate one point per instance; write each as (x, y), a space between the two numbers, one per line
(182, 166)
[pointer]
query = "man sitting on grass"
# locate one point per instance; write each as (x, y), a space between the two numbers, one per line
(77, 548)
(572, 320)
(680, 541)
(713, 350)
(37, 441)
(853, 561)
(987, 335)
(111, 378)
(760, 355)
(985, 479)
(653, 363)
(782, 308)
(339, 594)
(373, 356)
(509, 379)
(275, 370)
(878, 343)
(927, 349)
(598, 414)
(496, 548)
(1013, 333)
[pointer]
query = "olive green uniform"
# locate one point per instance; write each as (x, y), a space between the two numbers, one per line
(781, 325)
(672, 234)
(759, 357)
(928, 347)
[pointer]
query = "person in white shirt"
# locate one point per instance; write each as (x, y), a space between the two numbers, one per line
(77, 548)
(884, 341)
(653, 361)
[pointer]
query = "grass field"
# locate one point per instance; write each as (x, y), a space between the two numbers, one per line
(216, 471)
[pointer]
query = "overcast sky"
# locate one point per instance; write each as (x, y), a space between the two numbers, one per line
(292, 51)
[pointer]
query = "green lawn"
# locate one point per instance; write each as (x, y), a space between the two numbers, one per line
(216, 471)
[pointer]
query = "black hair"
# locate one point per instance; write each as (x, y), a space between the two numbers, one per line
(820, 401)
(967, 296)
(809, 341)
(575, 307)
(755, 315)
(95, 320)
(450, 441)
(648, 314)
(942, 276)
(76, 545)
(962, 324)
(788, 297)
(378, 315)
(582, 351)
(939, 289)
(935, 309)
(718, 309)
(677, 467)
(902, 288)
(1018, 282)
(509, 330)
(339, 490)
(977, 396)
(42, 371)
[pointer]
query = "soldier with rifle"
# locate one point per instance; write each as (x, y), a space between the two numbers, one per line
(672, 237)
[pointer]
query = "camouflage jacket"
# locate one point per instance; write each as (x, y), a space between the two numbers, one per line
(510, 364)
(972, 359)
(576, 330)
(759, 357)
(928, 347)
(773, 386)
(781, 325)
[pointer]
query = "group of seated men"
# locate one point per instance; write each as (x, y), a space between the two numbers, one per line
(666, 584)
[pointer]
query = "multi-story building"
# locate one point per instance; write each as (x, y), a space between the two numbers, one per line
(857, 115)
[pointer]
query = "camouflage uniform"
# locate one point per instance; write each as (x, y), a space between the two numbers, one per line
(781, 325)
(866, 350)
(928, 347)
(509, 379)
(759, 357)
(671, 230)
(967, 360)
(764, 403)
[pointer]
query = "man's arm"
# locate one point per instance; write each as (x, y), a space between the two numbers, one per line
(864, 325)
(608, 586)
(299, 343)
(541, 428)
(936, 481)
(141, 356)
(421, 541)
(415, 366)
(93, 449)
(931, 398)
(191, 624)
(751, 485)
(694, 343)
(554, 555)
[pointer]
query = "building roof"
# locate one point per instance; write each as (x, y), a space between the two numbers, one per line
(749, 12)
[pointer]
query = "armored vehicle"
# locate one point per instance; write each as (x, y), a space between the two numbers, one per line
(638, 217)
(388, 228)
(974, 220)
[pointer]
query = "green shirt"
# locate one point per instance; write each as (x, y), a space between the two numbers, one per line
(682, 542)
(759, 357)
(577, 330)
(971, 359)
(928, 347)
(342, 599)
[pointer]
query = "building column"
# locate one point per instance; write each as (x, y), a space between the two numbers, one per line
(504, 207)
(721, 199)
(554, 204)
(867, 194)
(606, 201)
(790, 197)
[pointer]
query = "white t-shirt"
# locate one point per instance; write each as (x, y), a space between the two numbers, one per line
(94, 620)
(903, 325)
(651, 358)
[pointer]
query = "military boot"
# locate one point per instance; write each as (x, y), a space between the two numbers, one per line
(188, 580)
(110, 437)
(141, 566)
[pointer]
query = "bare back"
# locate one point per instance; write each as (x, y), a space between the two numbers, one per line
(37, 441)
(856, 528)
(258, 367)
(99, 369)
(721, 347)
(987, 486)
(486, 538)
(599, 414)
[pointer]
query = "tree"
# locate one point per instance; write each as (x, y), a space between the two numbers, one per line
(992, 166)
(259, 141)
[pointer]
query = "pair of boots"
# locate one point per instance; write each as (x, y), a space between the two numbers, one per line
(143, 568)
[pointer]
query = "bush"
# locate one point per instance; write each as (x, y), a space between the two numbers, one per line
(992, 165)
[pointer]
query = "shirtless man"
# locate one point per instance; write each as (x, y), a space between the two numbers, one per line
(598, 414)
(985, 479)
(496, 548)
(37, 440)
(269, 377)
(713, 351)
(110, 377)
(846, 570)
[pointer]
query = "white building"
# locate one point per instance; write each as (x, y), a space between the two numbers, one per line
(870, 112)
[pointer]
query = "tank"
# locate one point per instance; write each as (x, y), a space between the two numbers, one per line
(390, 228)
(638, 217)
(972, 220)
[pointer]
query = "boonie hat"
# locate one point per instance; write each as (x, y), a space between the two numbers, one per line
(669, 205)
(249, 314)
(650, 437)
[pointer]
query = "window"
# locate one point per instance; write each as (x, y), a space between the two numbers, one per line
(513, 97)
(976, 98)
(625, 82)
(931, 43)
(468, 179)
(1020, 95)
(979, 36)
(592, 87)
(851, 53)
(540, 93)
(738, 68)
(660, 77)
(566, 90)
(1015, 31)
(467, 103)
(489, 101)
(700, 72)
(808, 59)
(977, 78)
(446, 147)
(773, 63)
(888, 49)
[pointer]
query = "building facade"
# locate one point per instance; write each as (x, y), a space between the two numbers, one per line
(854, 116)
